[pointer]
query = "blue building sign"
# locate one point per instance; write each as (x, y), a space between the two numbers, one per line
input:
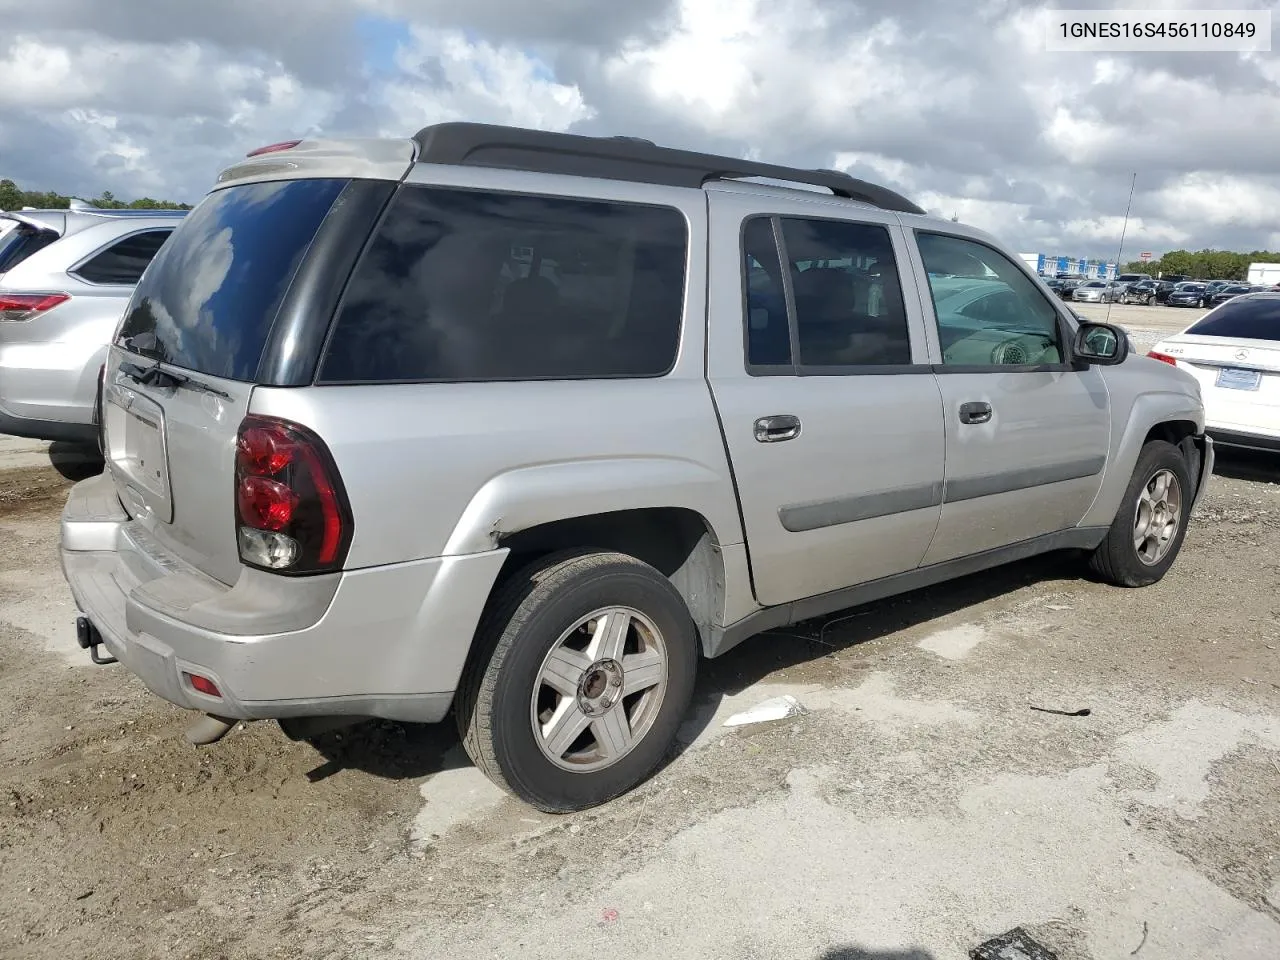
(1084, 267)
(1062, 264)
(1040, 263)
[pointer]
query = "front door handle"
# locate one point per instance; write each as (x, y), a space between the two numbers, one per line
(976, 412)
(777, 428)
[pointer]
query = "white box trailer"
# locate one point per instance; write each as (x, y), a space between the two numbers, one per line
(1262, 273)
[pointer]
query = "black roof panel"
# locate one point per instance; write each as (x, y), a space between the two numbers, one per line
(623, 158)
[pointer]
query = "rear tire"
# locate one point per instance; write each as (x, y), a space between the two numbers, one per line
(1150, 525)
(583, 670)
(76, 461)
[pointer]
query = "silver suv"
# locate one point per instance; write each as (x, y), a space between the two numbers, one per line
(65, 278)
(521, 425)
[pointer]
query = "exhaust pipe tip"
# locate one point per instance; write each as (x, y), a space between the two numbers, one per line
(208, 729)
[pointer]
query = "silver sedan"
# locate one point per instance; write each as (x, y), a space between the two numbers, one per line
(1097, 291)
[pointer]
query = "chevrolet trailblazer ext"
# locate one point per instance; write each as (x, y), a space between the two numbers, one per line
(521, 425)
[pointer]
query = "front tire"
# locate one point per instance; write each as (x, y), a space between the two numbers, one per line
(1150, 525)
(583, 670)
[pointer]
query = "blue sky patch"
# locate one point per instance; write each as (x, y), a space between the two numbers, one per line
(381, 37)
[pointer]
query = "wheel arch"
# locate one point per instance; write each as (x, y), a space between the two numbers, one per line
(680, 543)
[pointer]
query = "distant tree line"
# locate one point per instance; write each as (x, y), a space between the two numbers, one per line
(12, 198)
(1204, 264)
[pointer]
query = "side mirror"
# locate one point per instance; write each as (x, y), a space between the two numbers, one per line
(1101, 344)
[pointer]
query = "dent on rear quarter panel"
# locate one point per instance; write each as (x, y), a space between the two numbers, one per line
(526, 497)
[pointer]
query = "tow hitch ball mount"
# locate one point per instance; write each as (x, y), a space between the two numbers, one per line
(90, 639)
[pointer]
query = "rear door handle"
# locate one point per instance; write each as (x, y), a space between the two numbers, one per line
(976, 412)
(777, 428)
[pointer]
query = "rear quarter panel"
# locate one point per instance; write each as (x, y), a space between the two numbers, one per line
(444, 469)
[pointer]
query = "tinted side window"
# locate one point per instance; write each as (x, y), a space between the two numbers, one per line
(768, 333)
(124, 262)
(1254, 319)
(989, 312)
(469, 285)
(848, 299)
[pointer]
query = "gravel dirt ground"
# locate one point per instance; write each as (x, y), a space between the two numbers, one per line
(919, 806)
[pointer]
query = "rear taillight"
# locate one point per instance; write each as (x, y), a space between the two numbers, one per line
(274, 148)
(15, 307)
(292, 514)
(1162, 357)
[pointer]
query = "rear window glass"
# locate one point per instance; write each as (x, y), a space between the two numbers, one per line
(1254, 319)
(213, 291)
(469, 285)
(21, 242)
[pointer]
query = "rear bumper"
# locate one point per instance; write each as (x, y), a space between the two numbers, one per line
(384, 641)
(1268, 441)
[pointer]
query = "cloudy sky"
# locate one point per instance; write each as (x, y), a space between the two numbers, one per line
(957, 104)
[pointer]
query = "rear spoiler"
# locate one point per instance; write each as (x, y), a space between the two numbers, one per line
(29, 221)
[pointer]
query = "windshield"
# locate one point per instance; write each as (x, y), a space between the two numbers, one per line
(1253, 319)
(208, 300)
(21, 242)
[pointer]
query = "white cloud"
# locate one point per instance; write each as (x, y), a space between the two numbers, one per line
(36, 75)
(1220, 200)
(445, 76)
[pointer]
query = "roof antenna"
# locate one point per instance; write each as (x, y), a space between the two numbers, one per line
(1123, 229)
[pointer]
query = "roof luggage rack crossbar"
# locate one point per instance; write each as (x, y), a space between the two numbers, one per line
(624, 158)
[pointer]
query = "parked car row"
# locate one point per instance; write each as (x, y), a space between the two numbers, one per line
(1134, 289)
(1208, 294)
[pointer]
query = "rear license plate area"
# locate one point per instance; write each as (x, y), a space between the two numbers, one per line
(1233, 378)
(136, 445)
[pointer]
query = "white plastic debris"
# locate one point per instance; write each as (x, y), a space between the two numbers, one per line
(779, 708)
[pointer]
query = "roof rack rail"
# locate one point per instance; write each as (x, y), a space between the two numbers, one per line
(623, 158)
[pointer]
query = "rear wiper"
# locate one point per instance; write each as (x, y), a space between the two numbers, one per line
(153, 376)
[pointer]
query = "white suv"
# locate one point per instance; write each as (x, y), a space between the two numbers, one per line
(65, 277)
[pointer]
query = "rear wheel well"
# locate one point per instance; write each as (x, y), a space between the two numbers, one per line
(679, 543)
